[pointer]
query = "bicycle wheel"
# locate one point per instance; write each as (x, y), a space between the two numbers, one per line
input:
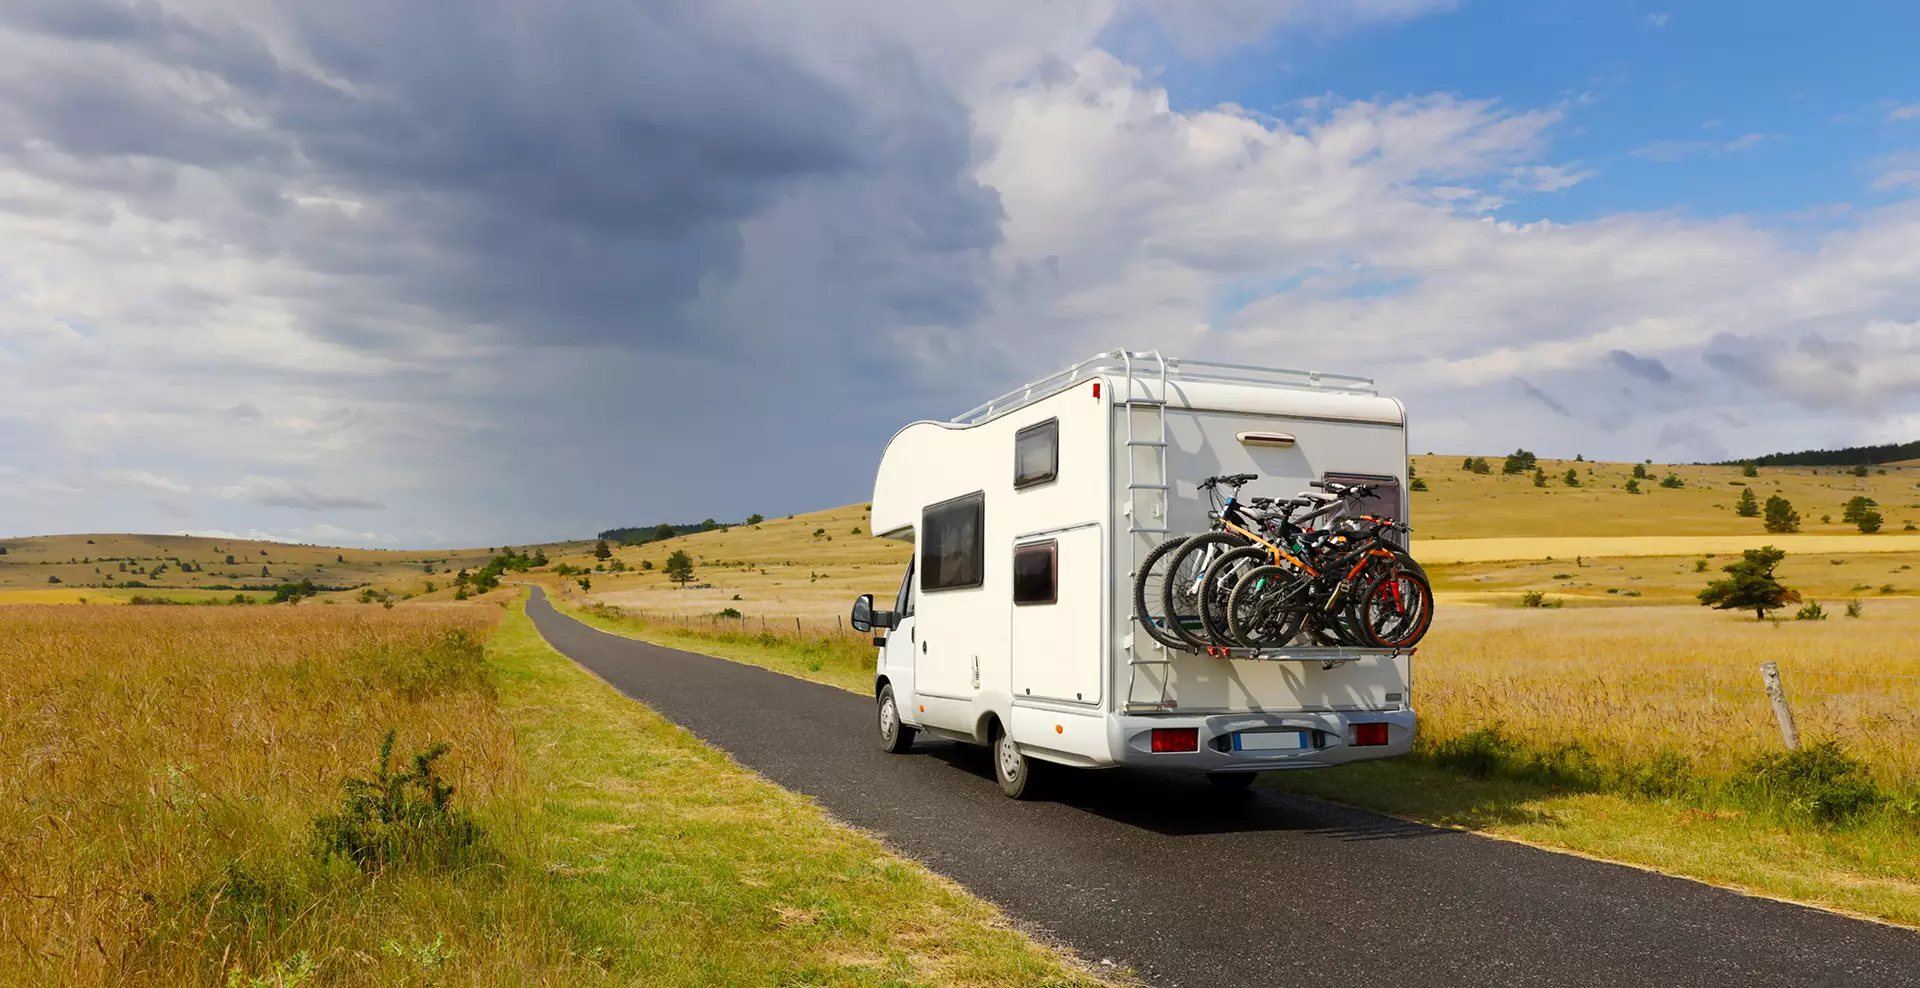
(1264, 610)
(1149, 598)
(1396, 610)
(1221, 578)
(1186, 576)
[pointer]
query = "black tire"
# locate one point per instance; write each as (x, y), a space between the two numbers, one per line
(1230, 781)
(1149, 598)
(1012, 769)
(1257, 617)
(1396, 610)
(895, 737)
(1186, 574)
(1222, 577)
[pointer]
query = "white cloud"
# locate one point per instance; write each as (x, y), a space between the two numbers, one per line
(147, 480)
(1658, 20)
(278, 492)
(1909, 112)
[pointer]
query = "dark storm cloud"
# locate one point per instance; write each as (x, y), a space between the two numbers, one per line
(1542, 397)
(571, 172)
(1645, 368)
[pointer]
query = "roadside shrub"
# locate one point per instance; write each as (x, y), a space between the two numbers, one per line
(1532, 598)
(1820, 781)
(1811, 611)
(393, 818)
(1854, 607)
(729, 613)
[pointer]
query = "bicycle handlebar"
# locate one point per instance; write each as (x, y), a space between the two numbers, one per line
(1235, 480)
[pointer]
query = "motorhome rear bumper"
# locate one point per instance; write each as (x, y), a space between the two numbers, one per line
(1329, 740)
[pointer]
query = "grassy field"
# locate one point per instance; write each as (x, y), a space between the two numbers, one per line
(159, 821)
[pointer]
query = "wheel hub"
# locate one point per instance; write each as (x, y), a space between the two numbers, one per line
(1009, 759)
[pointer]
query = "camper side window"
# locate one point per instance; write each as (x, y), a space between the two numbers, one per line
(1036, 454)
(953, 544)
(1034, 567)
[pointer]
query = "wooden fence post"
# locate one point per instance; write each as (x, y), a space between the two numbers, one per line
(1770, 676)
(796, 625)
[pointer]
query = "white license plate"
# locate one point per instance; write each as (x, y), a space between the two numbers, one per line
(1269, 740)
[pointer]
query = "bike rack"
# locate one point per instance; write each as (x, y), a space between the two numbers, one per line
(1328, 656)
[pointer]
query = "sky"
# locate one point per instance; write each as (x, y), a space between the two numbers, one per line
(480, 272)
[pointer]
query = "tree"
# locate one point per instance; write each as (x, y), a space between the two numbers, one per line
(1780, 516)
(1481, 466)
(1633, 486)
(1572, 479)
(1860, 470)
(1747, 469)
(755, 519)
(600, 550)
(263, 571)
(1855, 507)
(539, 558)
(680, 567)
(1578, 458)
(1419, 484)
(663, 531)
(1869, 521)
(1640, 472)
(1672, 481)
(708, 525)
(1520, 461)
(1750, 585)
(338, 558)
(1467, 464)
(1749, 505)
(586, 582)
(1539, 478)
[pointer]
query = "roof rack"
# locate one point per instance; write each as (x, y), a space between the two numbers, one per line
(1178, 369)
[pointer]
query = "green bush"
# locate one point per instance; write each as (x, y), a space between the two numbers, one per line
(396, 818)
(1820, 781)
(1532, 598)
(1811, 611)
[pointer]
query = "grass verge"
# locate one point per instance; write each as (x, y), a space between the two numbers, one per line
(843, 660)
(181, 814)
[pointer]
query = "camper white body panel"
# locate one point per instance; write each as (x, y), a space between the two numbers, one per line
(1068, 676)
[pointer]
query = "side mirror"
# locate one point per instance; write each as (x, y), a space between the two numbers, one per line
(863, 613)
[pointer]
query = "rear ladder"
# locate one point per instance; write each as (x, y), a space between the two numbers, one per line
(1146, 522)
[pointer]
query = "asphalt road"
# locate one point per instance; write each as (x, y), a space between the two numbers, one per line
(1157, 872)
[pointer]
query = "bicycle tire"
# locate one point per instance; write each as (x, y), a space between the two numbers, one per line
(1396, 610)
(1274, 625)
(1186, 573)
(1148, 586)
(1225, 574)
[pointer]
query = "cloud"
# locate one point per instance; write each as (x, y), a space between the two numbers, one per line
(1897, 171)
(275, 492)
(147, 480)
(1671, 151)
(1658, 20)
(1543, 398)
(1645, 368)
(1910, 111)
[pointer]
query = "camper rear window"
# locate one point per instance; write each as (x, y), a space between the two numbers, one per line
(953, 544)
(1036, 454)
(1033, 573)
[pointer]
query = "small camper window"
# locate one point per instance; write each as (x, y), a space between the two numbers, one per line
(1036, 454)
(1033, 573)
(953, 544)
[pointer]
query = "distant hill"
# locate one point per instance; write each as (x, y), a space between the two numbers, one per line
(1849, 456)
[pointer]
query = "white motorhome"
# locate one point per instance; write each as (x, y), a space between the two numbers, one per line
(1013, 626)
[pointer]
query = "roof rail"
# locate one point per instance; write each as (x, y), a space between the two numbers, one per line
(1178, 369)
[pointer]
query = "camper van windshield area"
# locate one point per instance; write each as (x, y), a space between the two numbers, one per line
(1033, 573)
(953, 544)
(1036, 454)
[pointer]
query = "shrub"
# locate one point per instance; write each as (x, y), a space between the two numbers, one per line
(1748, 506)
(1860, 470)
(1854, 607)
(1563, 576)
(1572, 478)
(1520, 461)
(1533, 598)
(1819, 781)
(1633, 486)
(1869, 521)
(393, 818)
(1418, 484)
(755, 519)
(1886, 588)
(1640, 472)
(1811, 611)
(53, 579)
(730, 613)
(1699, 566)
(1672, 481)
(1747, 469)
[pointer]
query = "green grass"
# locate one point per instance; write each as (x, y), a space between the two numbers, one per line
(672, 865)
(843, 660)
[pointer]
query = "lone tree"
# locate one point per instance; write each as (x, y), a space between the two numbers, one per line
(1869, 521)
(1520, 461)
(600, 550)
(1855, 507)
(1781, 518)
(1750, 585)
(1572, 479)
(1748, 505)
(680, 567)
(1747, 469)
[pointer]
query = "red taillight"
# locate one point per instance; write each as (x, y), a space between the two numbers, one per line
(1096, 389)
(1176, 739)
(1366, 734)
